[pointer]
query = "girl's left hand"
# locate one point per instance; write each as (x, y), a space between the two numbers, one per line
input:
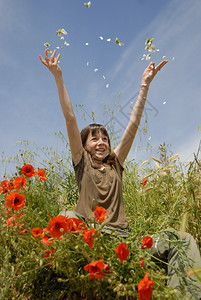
(151, 71)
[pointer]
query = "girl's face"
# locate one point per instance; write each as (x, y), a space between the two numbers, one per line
(97, 145)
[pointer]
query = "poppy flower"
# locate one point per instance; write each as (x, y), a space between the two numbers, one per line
(11, 221)
(57, 226)
(19, 182)
(122, 252)
(28, 170)
(37, 232)
(49, 252)
(100, 214)
(144, 181)
(22, 231)
(145, 288)
(15, 200)
(41, 174)
(87, 235)
(76, 225)
(5, 186)
(147, 242)
(95, 269)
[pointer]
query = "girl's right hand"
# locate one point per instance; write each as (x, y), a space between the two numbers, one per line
(52, 62)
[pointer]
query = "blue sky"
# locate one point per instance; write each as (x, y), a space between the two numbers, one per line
(29, 102)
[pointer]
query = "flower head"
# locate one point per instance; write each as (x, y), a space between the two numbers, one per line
(49, 252)
(147, 242)
(144, 181)
(87, 235)
(75, 224)
(5, 187)
(37, 232)
(15, 200)
(19, 182)
(57, 226)
(100, 214)
(145, 288)
(122, 252)
(41, 174)
(95, 269)
(28, 170)
(11, 221)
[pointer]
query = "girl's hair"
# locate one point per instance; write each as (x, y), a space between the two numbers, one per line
(93, 128)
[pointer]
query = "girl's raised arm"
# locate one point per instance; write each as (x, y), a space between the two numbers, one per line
(71, 123)
(125, 144)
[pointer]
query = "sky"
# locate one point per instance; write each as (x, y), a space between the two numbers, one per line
(99, 72)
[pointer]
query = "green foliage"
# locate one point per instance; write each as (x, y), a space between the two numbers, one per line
(170, 198)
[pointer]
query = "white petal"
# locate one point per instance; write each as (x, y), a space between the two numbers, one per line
(149, 138)
(86, 44)
(101, 38)
(173, 58)
(107, 85)
(67, 44)
(104, 77)
(57, 47)
(164, 57)
(95, 70)
(108, 40)
(164, 102)
(87, 63)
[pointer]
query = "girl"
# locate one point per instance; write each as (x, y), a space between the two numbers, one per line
(99, 172)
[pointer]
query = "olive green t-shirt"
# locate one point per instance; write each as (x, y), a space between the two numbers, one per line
(100, 187)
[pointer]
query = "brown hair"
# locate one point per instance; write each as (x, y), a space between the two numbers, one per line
(93, 128)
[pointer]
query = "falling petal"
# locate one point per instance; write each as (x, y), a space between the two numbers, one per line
(118, 42)
(88, 4)
(104, 77)
(164, 57)
(143, 57)
(48, 50)
(62, 38)
(148, 56)
(86, 44)
(63, 31)
(87, 63)
(95, 70)
(101, 38)
(107, 85)
(157, 50)
(59, 32)
(149, 138)
(66, 44)
(46, 44)
(108, 40)
(57, 47)
(164, 102)
(173, 58)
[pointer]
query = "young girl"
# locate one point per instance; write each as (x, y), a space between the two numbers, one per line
(99, 171)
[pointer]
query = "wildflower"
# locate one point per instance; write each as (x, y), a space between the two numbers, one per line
(49, 252)
(144, 181)
(19, 182)
(22, 231)
(122, 252)
(147, 242)
(95, 269)
(37, 232)
(100, 214)
(15, 200)
(141, 263)
(87, 235)
(5, 186)
(75, 224)
(145, 288)
(11, 221)
(41, 174)
(28, 170)
(57, 226)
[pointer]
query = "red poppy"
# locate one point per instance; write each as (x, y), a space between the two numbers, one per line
(87, 235)
(141, 263)
(5, 187)
(11, 221)
(147, 242)
(19, 182)
(37, 232)
(76, 225)
(144, 181)
(122, 252)
(49, 252)
(57, 226)
(145, 288)
(22, 231)
(28, 170)
(41, 174)
(100, 214)
(15, 200)
(95, 269)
